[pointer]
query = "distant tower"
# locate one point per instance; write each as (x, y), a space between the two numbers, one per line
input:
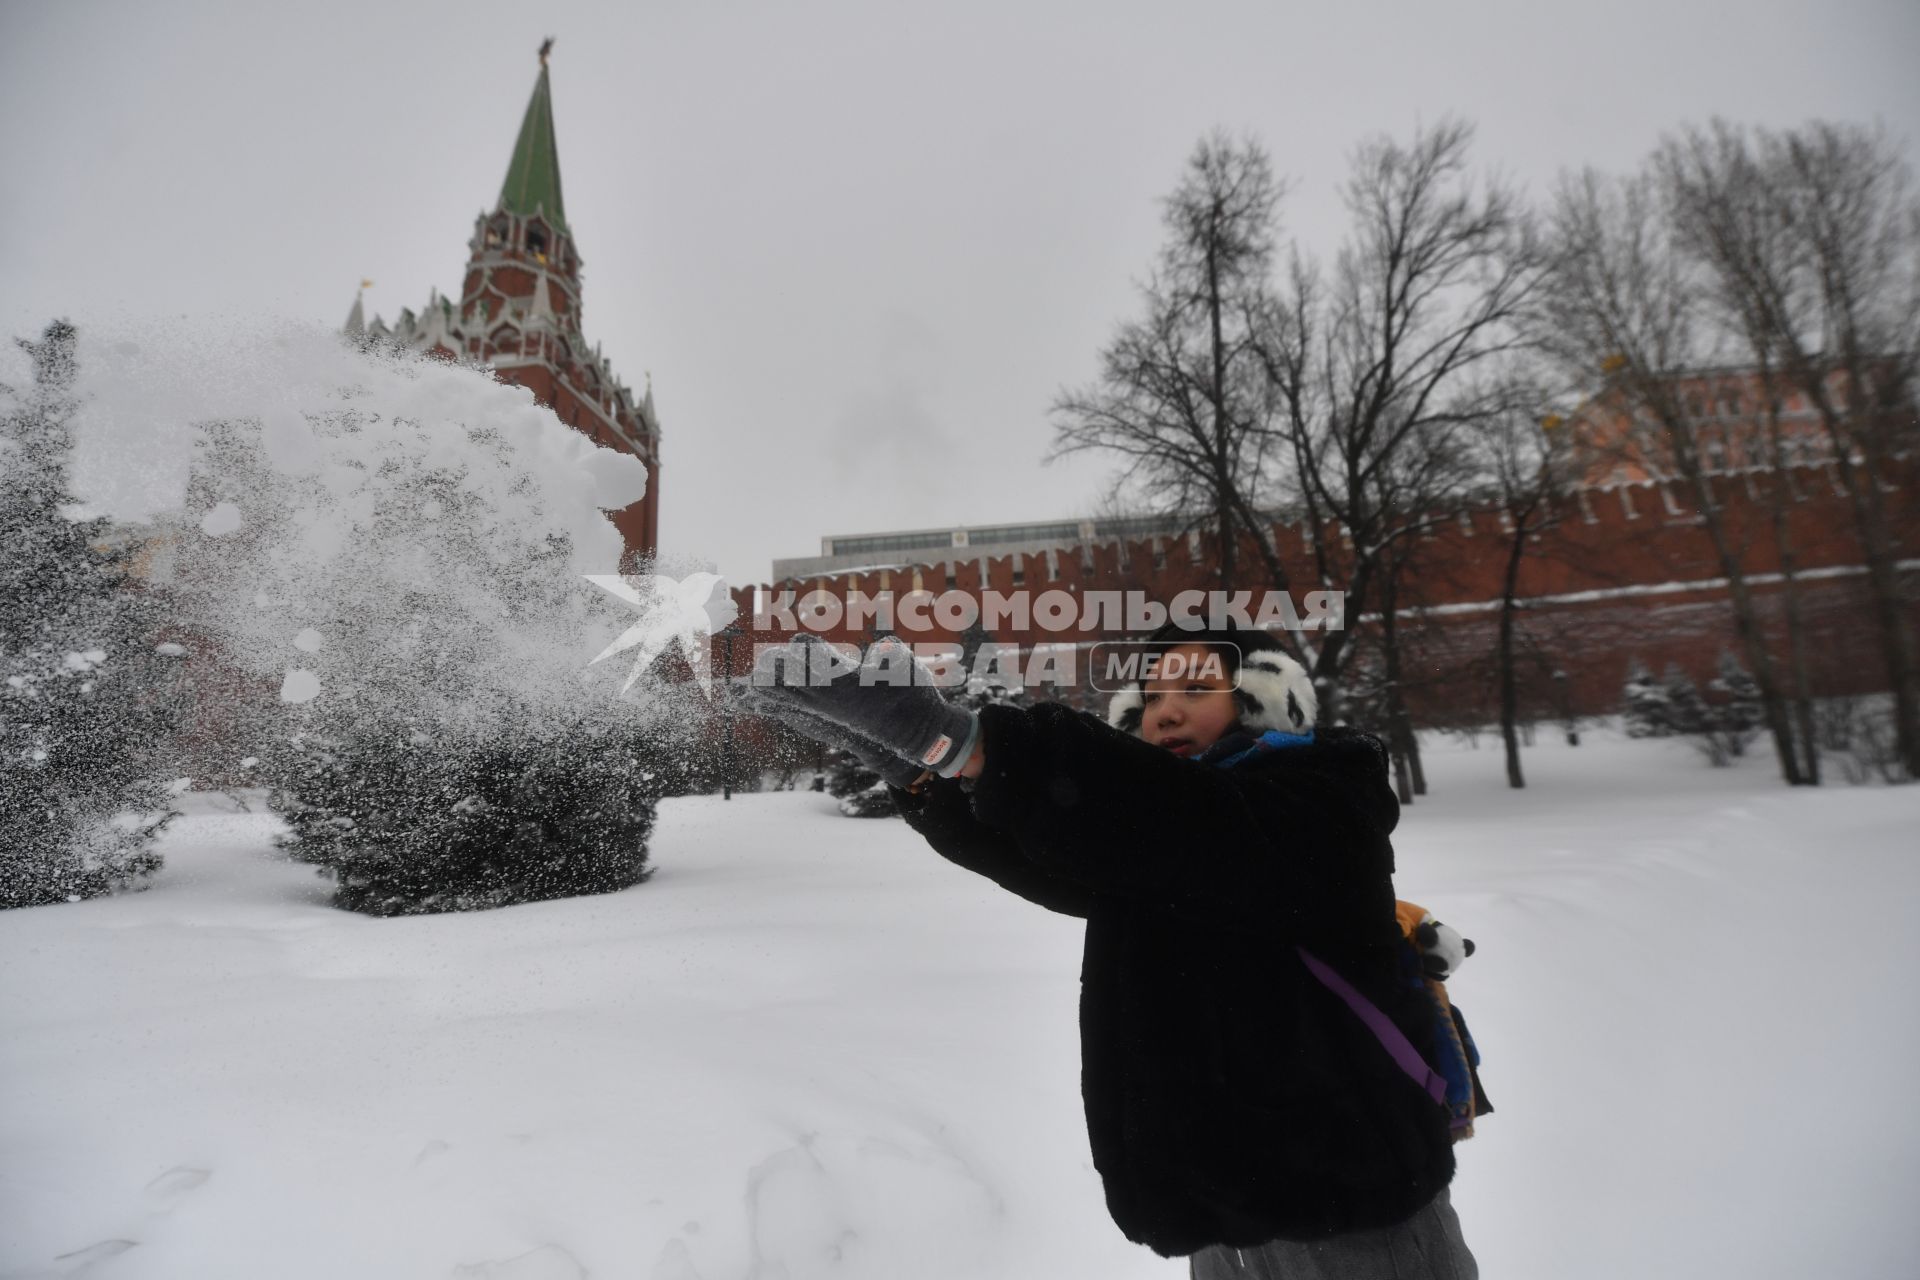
(519, 311)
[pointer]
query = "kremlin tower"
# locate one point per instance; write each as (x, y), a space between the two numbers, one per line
(520, 310)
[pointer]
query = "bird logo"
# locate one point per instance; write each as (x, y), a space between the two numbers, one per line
(673, 611)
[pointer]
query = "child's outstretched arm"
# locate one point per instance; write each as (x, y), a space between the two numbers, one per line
(940, 811)
(1082, 800)
(1299, 845)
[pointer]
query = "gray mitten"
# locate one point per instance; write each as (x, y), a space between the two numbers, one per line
(829, 733)
(888, 695)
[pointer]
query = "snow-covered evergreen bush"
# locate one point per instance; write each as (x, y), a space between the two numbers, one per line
(427, 820)
(1674, 706)
(874, 802)
(1687, 711)
(1734, 712)
(1646, 710)
(403, 544)
(846, 776)
(86, 704)
(1739, 694)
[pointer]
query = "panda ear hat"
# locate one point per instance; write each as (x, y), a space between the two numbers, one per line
(1274, 691)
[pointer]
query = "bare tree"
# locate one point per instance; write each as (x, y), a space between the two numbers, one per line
(1528, 465)
(1811, 238)
(1374, 366)
(1181, 392)
(1626, 314)
(1434, 473)
(1726, 220)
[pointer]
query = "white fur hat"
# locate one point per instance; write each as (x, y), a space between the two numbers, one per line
(1275, 692)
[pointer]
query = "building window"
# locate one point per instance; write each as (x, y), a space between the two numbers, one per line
(1056, 531)
(894, 542)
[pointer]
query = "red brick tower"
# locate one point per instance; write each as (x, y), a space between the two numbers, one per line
(520, 309)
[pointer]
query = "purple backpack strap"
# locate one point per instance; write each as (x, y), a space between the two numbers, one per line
(1391, 1038)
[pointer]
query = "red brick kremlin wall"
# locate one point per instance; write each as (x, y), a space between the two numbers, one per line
(1626, 572)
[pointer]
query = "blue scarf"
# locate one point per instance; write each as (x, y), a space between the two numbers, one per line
(1237, 748)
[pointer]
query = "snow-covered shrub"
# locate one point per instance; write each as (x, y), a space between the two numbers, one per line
(1732, 715)
(874, 802)
(1646, 710)
(463, 819)
(86, 707)
(846, 776)
(1687, 711)
(1662, 708)
(400, 546)
(1857, 732)
(1721, 727)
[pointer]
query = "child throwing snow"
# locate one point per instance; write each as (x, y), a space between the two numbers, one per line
(1240, 1112)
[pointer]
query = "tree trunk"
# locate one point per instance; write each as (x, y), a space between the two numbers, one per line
(1509, 692)
(1779, 510)
(1333, 653)
(1223, 486)
(1889, 610)
(1746, 620)
(1409, 780)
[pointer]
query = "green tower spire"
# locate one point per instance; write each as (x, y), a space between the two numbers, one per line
(533, 178)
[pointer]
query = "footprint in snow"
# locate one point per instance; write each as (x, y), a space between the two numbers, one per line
(176, 1182)
(162, 1193)
(838, 1200)
(548, 1262)
(81, 1261)
(674, 1263)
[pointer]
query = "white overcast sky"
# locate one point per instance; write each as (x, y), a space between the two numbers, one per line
(859, 246)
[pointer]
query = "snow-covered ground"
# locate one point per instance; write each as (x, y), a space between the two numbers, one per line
(811, 1048)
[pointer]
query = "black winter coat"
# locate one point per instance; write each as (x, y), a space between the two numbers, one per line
(1230, 1097)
